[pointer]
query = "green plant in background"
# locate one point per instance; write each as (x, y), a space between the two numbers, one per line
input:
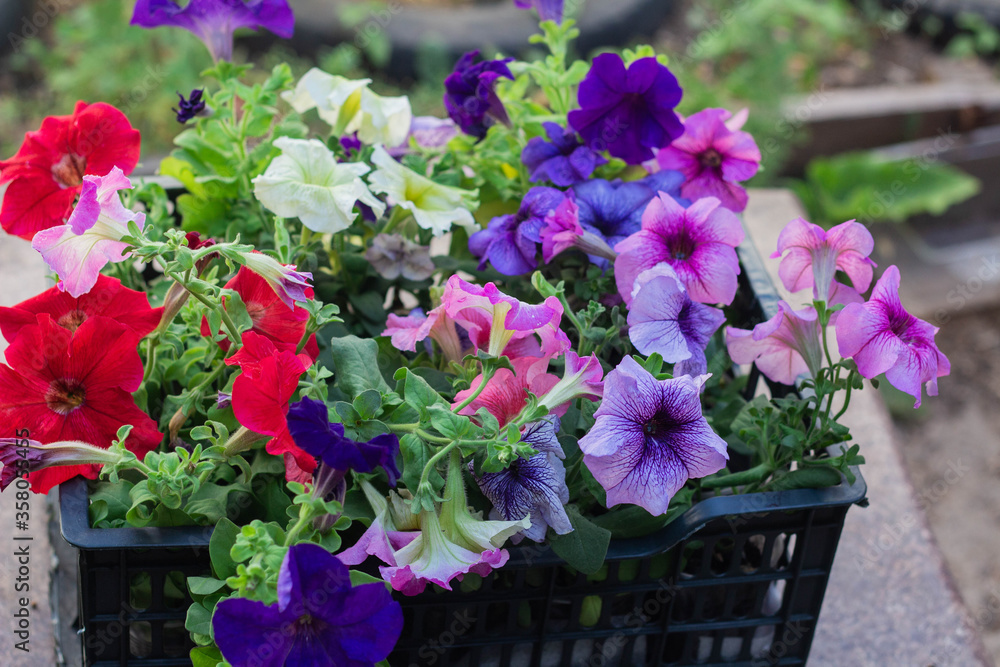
(979, 37)
(868, 188)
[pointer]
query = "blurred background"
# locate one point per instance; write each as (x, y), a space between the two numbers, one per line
(886, 112)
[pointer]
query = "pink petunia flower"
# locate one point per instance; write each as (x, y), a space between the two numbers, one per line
(582, 378)
(406, 332)
(92, 237)
(697, 242)
(562, 231)
(507, 393)
(714, 157)
(882, 337)
(813, 257)
(784, 347)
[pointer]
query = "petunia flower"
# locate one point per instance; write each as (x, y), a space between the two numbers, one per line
(290, 285)
(714, 156)
(534, 487)
(562, 231)
(312, 431)
(307, 182)
(214, 21)
(426, 132)
(261, 393)
(393, 255)
(470, 97)
(510, 242)
(108, 298)
(664, 319)
(813, 256)
(548, 10)
(562, 160)
(434, 206)
(882, 337)
(406, 332)
(628, 112)
(506, 393)
(784, 347)
(22, 456)
(92, 237)
(698, 242)
(582, 378)
(319, 618)
(650, 437)
(350, 107)
(74, 387)
(191, 107)
(613, 210)
(495, 321)
(39, 184)
(393, 527)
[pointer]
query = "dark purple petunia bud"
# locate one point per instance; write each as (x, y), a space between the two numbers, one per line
(187, 109)
(470, 97)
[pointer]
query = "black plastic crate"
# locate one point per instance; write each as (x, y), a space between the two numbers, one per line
(735, 580)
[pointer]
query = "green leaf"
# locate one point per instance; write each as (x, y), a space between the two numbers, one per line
(417, 392)
(223, 539)
(115, 499)
(356, 365)
(586, 547)
(198, 620)
(450, 425)
(368, 404)
(204, 585)
(416, 453)
(205, 656)
(813, 477)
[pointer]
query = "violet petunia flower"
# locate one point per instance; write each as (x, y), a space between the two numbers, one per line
(535, 486)
(21, 456)
(650, 437)
(714, 156)
(319, 618)
(664, 319)
(628, 112)
(562, 160)
(613, 210)
(548, 10)
(214, 21)
(698, 242)
(309, 424)
(470, 97)
(882, 337)
(510, 242)
(191, 107)
(784, 347)
(814, 256)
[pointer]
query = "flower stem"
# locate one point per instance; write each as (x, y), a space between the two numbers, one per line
(475, 394)
(756, 474)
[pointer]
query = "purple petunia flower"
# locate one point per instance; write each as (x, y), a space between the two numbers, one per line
(548, 10)
(784, 347)
(470, 97)
(510, 242)
(613, 210)
(650, 437)
(319, 619)
(664, 319)
(629, 112)
(214, 21)
(312, 431)
(698, 242)
(882, 337)
(533, 487)
(714, 157)
(562, 160)
(191, 107)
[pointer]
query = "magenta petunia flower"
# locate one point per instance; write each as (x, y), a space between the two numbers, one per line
(628, 112)
(562, 231)
(697, 242)
(813, 256)
(406, 332)
(714, 157)
(650, 437)
(784, 347)
(583, 377)
(664, 319)
(882, 337)
(214, 21)
(548, 10)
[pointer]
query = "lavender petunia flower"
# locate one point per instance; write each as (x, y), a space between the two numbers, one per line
(629, 112)
(562, 160)
(664, 319)
(535, 487)
(312, 431)
(214, 21)
(510, 242)
(406, 332)
(714, 157)
(426, 132)
(319, 618)
(613, 210)
(650, 437)
(548, 10)
(698, 242)
(393, 256)
(470, 97)
(784, 347)
(21, 456)
(191, 107)
(882, 337)
(290, 285)
(393, 527)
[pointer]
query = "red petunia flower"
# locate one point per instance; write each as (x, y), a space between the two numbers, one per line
(108, 298)
(46, 174)
(74, 386)
(271, 318)
(263, 390)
